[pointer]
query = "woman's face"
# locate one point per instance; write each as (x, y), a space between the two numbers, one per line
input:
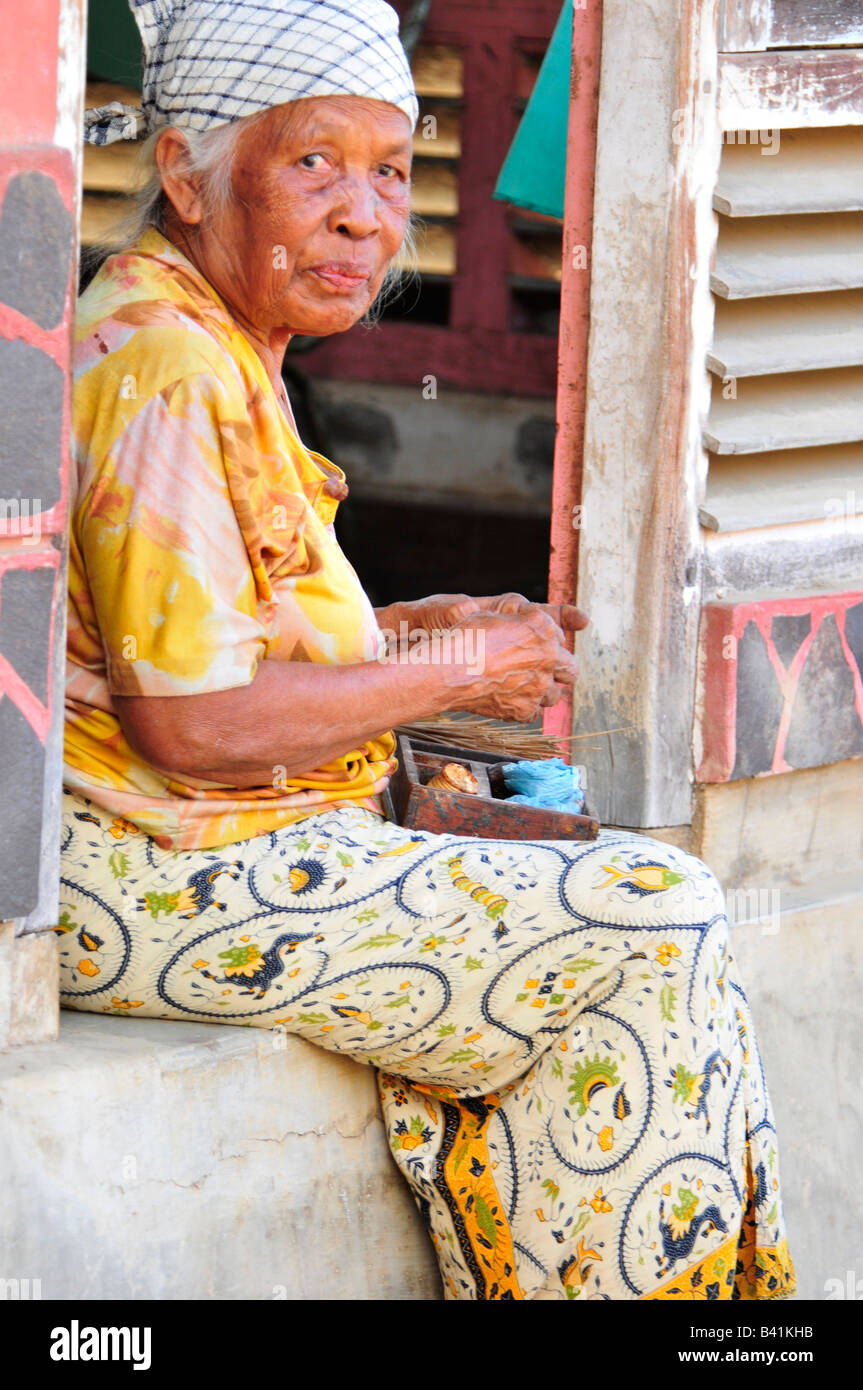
(321, 197)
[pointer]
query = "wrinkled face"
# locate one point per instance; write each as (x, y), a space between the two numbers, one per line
(320, 207)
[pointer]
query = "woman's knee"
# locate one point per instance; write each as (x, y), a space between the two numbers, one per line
(642, 871)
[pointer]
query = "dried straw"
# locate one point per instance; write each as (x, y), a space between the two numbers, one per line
(511, 741)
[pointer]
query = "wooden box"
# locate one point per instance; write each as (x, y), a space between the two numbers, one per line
(489, 815)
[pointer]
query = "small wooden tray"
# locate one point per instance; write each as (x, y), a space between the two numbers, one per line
(489, 815)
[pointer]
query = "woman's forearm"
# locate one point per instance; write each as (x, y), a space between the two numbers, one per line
(294, 716)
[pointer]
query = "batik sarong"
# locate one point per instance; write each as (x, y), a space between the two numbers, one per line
(569, 1077)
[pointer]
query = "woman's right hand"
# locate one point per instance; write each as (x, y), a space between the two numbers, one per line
(521, 665)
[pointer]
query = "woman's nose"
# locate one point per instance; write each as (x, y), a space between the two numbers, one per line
(355, 210)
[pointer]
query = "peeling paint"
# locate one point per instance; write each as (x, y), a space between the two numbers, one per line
(71, 63)
(786, 90)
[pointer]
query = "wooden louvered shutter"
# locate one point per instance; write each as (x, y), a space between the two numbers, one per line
(438, 74)
(785, 430)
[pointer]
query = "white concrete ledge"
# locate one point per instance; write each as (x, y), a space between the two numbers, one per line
(156, 1160)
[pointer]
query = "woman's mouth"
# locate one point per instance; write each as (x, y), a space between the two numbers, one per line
(340, 276)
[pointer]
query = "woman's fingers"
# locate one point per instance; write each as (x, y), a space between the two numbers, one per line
(566, 670)
(567, 616)
(456, 607)
(505, 603)
(523, 664)
(552, 696)
(443, 610)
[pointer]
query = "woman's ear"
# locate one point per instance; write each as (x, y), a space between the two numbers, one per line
(171, 156)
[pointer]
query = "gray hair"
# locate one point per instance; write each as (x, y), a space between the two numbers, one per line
(210, 161)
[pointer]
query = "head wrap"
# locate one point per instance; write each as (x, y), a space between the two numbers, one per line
(208, 62)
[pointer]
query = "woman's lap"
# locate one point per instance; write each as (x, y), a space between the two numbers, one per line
(585, 1106)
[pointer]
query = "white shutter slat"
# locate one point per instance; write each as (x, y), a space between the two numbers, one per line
(800, 88)
(434, 190)
(790, 333)
(788, 255)
(756, 25)
(435, 251)
(745, 492)
(797, 410)
(816, 21)
(813, 171)
(112, 168)
(100, 217)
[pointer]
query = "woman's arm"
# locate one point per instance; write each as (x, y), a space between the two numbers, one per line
(294, 715)
(298, 716)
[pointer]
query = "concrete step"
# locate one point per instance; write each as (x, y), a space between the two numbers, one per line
(162, 1160)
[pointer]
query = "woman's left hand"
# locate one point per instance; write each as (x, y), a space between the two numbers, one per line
(431, 614)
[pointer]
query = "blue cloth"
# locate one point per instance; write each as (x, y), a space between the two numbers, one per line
(552, 785)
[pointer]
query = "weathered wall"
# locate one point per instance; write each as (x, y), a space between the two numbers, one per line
(803, 986)
(403, 442)
(779, 685)
(183, 1161)
(41, 88)
(787, 850)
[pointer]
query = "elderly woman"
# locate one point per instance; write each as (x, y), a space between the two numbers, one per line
(568, 1072)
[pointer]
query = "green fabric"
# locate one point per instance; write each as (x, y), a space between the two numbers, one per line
(113, 43)
(534, 171)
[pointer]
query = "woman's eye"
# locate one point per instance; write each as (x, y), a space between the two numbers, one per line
(308, 161)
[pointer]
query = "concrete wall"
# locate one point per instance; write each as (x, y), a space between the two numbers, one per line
(182, 1161)
(787, 850)
(803, 984)
(41, 89)
(396, 441)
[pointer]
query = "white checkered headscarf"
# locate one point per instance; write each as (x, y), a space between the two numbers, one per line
(208, 62)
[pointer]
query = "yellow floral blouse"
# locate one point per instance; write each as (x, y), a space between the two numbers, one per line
(201, 543)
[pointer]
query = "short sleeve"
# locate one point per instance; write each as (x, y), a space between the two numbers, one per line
(173, 589)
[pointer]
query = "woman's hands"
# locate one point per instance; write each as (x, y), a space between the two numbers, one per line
(433, 614)
(441, 611)
(520, 662)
